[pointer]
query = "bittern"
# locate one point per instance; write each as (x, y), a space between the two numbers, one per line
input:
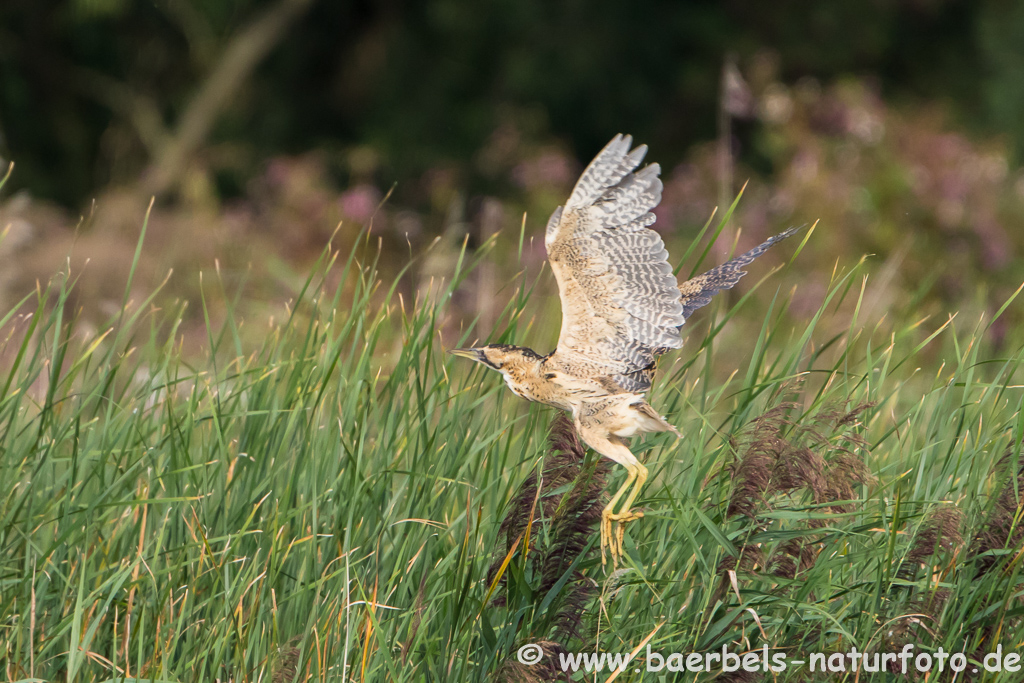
(622, 308)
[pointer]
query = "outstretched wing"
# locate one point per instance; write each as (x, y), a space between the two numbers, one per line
(620, 300)
(697, 292)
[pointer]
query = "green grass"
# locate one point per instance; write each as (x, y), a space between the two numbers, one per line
(325, 506)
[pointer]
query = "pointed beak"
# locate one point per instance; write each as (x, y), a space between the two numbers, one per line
(472, 354)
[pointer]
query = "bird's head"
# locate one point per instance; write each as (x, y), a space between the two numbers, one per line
(501, 357)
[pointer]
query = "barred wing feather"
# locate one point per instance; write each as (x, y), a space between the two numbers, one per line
(697, 291)
(620, 301)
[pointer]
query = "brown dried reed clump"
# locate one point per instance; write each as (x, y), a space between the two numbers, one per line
(781, 461)
(750, 559)
(740, 676)
(571, 518)
(792, 557)
(575, 512)
(287, 664)
(933, 549)
(771, 464)
(817, 457)
(939, 540)
(1003, 529)
(546, 669)
(938, 536)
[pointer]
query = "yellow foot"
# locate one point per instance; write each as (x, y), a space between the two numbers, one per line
(613, 541)
(623, 518)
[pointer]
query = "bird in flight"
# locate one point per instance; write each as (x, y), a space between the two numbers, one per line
(622, 307)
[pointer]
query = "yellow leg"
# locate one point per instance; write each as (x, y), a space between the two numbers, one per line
(608, 514)
(596, 435)
(625, 514)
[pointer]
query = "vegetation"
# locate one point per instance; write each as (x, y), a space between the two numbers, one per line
(328, 503)
(234, 455)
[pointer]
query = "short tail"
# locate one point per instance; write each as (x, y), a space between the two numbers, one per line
(652, 421)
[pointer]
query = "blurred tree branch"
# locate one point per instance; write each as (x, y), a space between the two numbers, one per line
(142, 112)
(201, 37)
(241, 56)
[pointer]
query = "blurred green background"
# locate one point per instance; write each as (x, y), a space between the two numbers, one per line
(259, 126)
